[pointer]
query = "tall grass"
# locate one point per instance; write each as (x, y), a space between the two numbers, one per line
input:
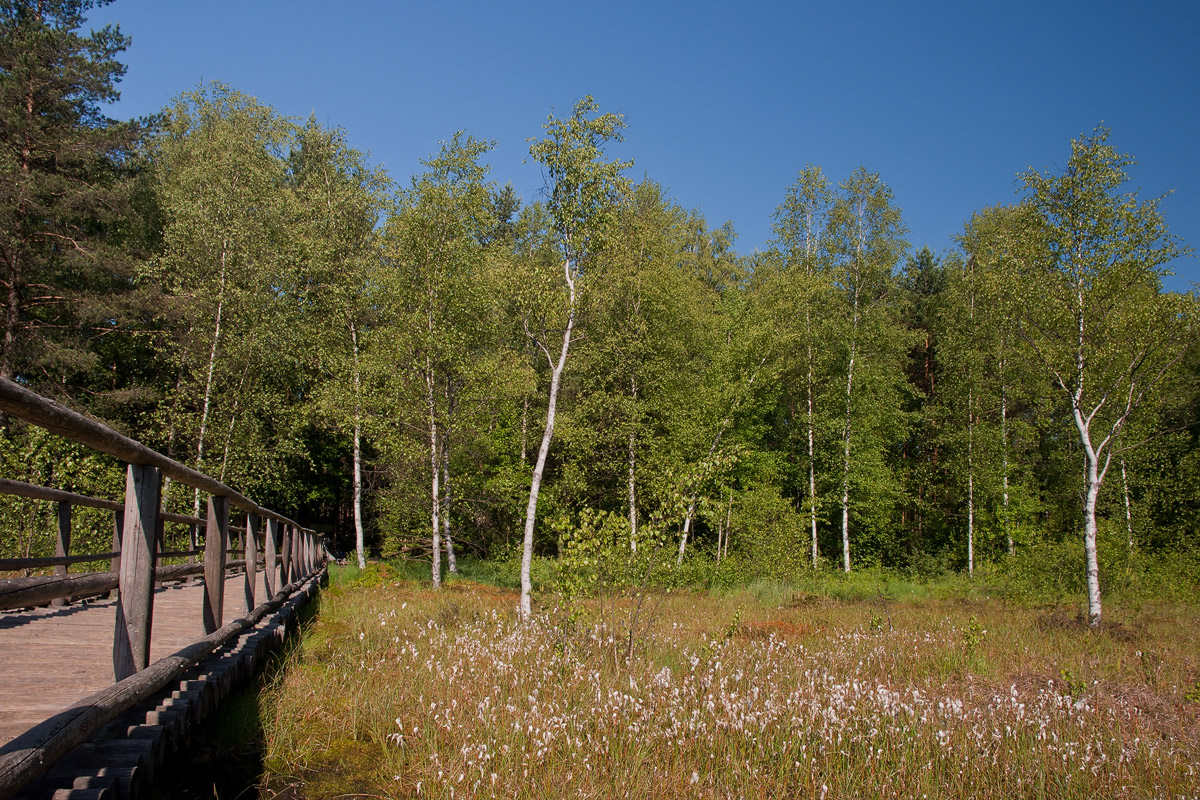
(765, 691)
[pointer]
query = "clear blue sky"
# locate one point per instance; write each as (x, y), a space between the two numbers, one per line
(725, 103)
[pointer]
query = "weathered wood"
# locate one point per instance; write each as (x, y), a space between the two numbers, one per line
(33, 492)
(271, 536)
(31, 753)
(298, 547)
(216, 540)
(182, 519)
(34, 591)
(285, 565)
(44, 412)
(54, 561)
(62, 546)
(23, 592)
(118, 534)
(251, 558)
(135, 607)
(178, 553)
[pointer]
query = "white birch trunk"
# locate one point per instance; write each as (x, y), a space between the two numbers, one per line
(1094, 480)
(359, 538)
(971, 443)
(435, 473)
(687, 527)
(1094, 475)
(970, 485)
(535, 483)
(208, 382)
(810, 245)
(846, 455)
(451, 559)
(633, 516)
(812, 454)
(1004, 461)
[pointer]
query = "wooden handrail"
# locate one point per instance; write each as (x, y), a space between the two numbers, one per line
(45, 413)
(135, 569)
(26, 757)
(12, 564)
(34, 492)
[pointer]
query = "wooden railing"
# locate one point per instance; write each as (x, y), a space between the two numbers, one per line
(287, 548)
(138, 532)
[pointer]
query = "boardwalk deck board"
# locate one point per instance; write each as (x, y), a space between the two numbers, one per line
(53, 657)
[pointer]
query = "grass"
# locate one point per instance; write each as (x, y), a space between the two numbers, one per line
(768, 691)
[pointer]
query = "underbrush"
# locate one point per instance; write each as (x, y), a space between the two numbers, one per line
(765, 690)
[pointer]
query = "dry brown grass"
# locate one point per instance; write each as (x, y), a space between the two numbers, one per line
(402, 692)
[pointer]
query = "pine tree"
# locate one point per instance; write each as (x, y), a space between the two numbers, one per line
(65, 221)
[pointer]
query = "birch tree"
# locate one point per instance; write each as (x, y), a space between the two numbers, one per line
(338, 203)
(870, 241)
(433, 244)
(1095, 319)
(583, 192)
(221, 173)
(803, 292)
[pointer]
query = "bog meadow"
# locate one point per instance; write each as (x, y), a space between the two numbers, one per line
(619, 510)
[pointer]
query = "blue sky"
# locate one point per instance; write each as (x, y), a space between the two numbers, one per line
(724, 103)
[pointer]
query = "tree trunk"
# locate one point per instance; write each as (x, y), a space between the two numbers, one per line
(1004, 461)
(633, 517)
(846, 459)
(970, 483)
(535, 483)
(208, 381)
(687, 527)
(1094, 480)
(812, 453)
(451, 559)
(435, 474)
(359, 538)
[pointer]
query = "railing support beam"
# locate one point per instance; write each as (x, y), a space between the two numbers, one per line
(62, 547)
(135, 604)
(216, 542)
(272, 538)
(251, 556)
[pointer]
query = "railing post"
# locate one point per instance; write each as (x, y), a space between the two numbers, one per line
(285, 562)
(118, 534)
(160, 537)
(308, 542)
(251, 539)
(272, 534)
(135, 604)
(216, 540)
(297, 568)
(62, 547)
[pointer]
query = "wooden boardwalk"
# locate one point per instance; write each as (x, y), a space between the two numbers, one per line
(51, 658)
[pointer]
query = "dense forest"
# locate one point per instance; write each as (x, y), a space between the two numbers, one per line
(437, 367)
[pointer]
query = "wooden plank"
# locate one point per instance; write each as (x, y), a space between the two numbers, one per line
(54, 561)
(285, 566)
(135, 606)
(24, 758)
(272, 535)
(251, 538)
(29, 490)
(44, 412)
(216, 540)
